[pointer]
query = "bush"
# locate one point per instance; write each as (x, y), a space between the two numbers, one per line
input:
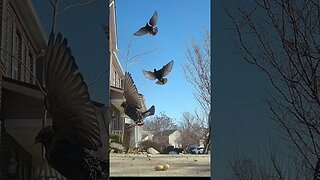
(115, 138)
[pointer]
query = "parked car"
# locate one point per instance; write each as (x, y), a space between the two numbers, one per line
(189, 149)
(198, 150)
(171, 150)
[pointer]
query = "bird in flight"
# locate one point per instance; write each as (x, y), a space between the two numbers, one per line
(75, 127)
(159, 74)
(150, 27)
(132, 105)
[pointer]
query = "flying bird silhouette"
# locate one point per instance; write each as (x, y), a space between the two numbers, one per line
(159, 74)
(149, 27)
(132, 106)
(75, 127)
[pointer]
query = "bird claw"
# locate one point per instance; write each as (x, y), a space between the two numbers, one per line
(137, 124)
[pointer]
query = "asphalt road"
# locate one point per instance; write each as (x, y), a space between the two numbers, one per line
(142, 165)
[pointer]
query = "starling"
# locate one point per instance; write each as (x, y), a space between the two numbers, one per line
(159, 74)
(75, 127)
(132, 106)
(150, 27)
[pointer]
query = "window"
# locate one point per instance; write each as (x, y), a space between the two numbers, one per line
(114, 79)
(15, 48)
(122, 86)
(22, 59)
(25, 73)
(20, 54)
(31, 67)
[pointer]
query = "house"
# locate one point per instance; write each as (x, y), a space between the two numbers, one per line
(119, 121)
(26, 43)
(147, 135)
(22, 108)
(168, 137)
(116, 76)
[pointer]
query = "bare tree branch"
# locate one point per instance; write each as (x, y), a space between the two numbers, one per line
(281, 38)
(197, 72)
(78, 3)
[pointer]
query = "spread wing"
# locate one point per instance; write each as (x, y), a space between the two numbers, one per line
(148, 74)
(130, 92)
(67, 99)
(165, 70)
(154, 19)
(141, 31)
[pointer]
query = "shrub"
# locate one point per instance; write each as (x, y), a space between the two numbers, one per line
(115, 137)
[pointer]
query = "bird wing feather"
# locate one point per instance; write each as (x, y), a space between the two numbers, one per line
(154, 19)
(149, 75)
(141, 31)
(67, 99)
(130, 92)
(165, 70)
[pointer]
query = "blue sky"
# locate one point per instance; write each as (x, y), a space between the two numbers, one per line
(178, 23)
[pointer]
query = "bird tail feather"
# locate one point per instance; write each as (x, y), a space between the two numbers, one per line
(162, 81)
(149, 112)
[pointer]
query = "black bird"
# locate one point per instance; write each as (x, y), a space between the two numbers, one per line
(75, 127)
(132, 106)
(150, 27)
(159, 74)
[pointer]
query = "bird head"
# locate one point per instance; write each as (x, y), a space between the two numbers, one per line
(45, 136)
(154, 70)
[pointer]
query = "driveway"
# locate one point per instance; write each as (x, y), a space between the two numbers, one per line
(142, 165)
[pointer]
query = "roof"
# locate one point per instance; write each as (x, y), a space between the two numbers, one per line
(166, 132)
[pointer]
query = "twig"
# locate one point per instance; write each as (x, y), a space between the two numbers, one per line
(55, 7)
(139, 55)
(78, 3)
(98, 78)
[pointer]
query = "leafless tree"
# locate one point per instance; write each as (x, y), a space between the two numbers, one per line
(159, 123)
(276, 168)
(281, 38)
(197, 72)
(193, 129)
